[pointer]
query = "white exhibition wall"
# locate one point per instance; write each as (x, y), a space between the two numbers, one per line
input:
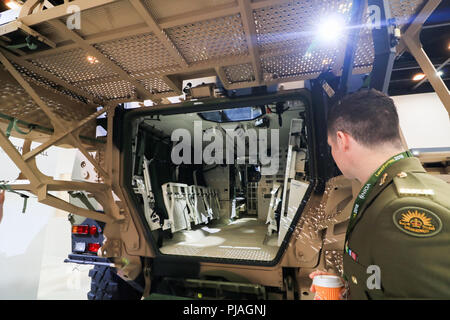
(424, 120)
(34, 242)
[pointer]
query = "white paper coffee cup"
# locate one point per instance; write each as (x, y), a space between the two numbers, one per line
(328, 287)
(328, 281)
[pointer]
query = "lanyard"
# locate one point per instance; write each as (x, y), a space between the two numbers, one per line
(365, 190)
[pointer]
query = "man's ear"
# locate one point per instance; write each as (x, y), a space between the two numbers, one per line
(343, 140)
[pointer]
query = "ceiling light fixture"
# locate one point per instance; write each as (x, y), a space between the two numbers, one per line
(331, 29)
(92, 59)
(418, 77)
(12, 4)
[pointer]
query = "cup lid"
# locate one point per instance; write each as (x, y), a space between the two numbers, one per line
(328, 281)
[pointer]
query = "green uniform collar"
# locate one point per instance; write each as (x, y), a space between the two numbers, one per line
(405, 165)
(385, 176)
(410, 164)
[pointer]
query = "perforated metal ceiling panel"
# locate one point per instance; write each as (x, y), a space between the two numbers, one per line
(181, 39)
(300, 64)
(403, 10)
(116, 15)
(240, 73)
(112, 90)
(18, 104)
(72, 66)
(156, 85)
(294, 23)
(137, 53)
(32, 77)
(210, 39)
(168, 8)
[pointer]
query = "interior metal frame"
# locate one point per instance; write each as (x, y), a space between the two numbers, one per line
(130, 121)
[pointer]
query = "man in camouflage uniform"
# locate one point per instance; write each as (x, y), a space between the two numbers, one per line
(398, 239)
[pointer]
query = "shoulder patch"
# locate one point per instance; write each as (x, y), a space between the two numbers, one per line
(410, 184)
(418, 222)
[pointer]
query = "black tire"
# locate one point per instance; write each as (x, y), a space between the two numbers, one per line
(107, 285)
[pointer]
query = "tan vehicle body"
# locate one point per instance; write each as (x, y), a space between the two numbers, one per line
(53, 92)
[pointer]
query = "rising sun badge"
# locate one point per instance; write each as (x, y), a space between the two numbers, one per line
(417, 222)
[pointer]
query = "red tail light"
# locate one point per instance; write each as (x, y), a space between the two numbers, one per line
(85, 229)
(82, 229)
(93, 247)
(93, 230)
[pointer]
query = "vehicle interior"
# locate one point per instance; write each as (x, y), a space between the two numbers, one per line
(232, 205)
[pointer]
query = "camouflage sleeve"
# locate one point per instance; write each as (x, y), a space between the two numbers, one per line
(410, 246)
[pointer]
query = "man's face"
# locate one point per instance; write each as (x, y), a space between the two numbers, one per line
(339, 151)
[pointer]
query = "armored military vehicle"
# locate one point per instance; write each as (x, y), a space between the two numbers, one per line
(228, 192)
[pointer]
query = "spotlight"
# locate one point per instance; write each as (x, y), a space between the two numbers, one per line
(12, 4)
(440, 73)
(92, 59)
(418, 77)
(331, 29)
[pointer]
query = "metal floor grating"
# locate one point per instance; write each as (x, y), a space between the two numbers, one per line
(243, 239)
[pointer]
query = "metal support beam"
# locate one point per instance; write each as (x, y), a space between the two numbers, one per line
(320, 100)
(414, 28)
(36, 34)
(63, 185)
(16, 157)
(411, 41)
(358, 9)
(222, 77)
(57, 137)
(110, 144)
(41, 184)
(159, 32)
(22, 62)
(248, 23)
(77, 143)
(382, 35)
(58, 124)
(59, 11)
(109, 35)
(63, 205)
(28, 7)
(414, 46)
(219, 11)
(338, 64)
(161, 72)
(101, 57)
(437, 25)
(437, 70)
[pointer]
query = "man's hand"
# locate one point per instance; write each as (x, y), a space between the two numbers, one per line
(321, 273)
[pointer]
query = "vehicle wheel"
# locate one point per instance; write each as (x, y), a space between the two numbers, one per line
(107, 285)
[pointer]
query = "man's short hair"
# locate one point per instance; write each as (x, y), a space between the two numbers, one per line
(368, 115)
